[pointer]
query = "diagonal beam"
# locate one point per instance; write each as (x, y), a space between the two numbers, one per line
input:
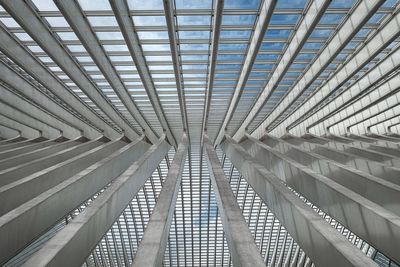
(15, 139)
(347, 31)
(20, 55)
(71, 245)
(219, 7)
(14, 100)
(25, 143)
(380, 71)
(24, 130)
(389, 129)
(313, 15)
(73, 14)
(321, 242)
(20, 191)
(169, 16)
(32, 218)
(20, 155)
(376, 189)
(346, 105)
(65, 151)
(152, 247)
(375, 121)
(46, 130)
(172, 35)
(242, 247)
(125, 22)
(35, 27)
(352, 210)
(380, 115)
(8, 133)
(255, 44)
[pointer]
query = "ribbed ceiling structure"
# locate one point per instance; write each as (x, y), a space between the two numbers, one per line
(107, 106)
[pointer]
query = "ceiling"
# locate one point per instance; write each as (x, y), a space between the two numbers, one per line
(235, 66)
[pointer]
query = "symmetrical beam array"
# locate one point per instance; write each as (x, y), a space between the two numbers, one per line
(93, 94)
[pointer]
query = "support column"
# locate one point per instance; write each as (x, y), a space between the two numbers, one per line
(375, 168)
(154, 241)
(18, 192)
(321, 242)
(71, 245)
(371, 187)
(32, 218)
(242, 247)
(355, 212)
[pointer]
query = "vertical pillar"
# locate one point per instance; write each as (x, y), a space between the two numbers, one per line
(242, 247)
(152, 247)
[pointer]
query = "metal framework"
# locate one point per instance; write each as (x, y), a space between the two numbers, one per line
(129, 123)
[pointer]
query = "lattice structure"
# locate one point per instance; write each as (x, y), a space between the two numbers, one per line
(106, 106)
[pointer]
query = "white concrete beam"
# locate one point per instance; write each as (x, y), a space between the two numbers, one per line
(24, 130)
(32, 218)
(14, 50)
(16, 101)
(217, 19)
(321, 242)
(255, 43)
(242, 248)
(356, 20)
(34, 26)
(8, 133)
(358, 214)
(152, 246)
(121, 11)
(78, 22)
(71, 245)
(170, 18)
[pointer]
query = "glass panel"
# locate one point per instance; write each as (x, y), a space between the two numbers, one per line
(94, 5)
(66, 36)
(102, 21)
(45, 5)
(235, 34)
(149, 20)
(238, 19)
(110, 36)
(331, 18)
(194, 20)
(194, 34)
(286, 19)
(57, 21)
(153, 35)
(290, 4)
(342, 3)
(185, 4)
(112, 48)
(10, 23)
(145, 5)
(242, 4)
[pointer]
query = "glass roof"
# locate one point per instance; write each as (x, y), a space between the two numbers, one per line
(196, 236)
